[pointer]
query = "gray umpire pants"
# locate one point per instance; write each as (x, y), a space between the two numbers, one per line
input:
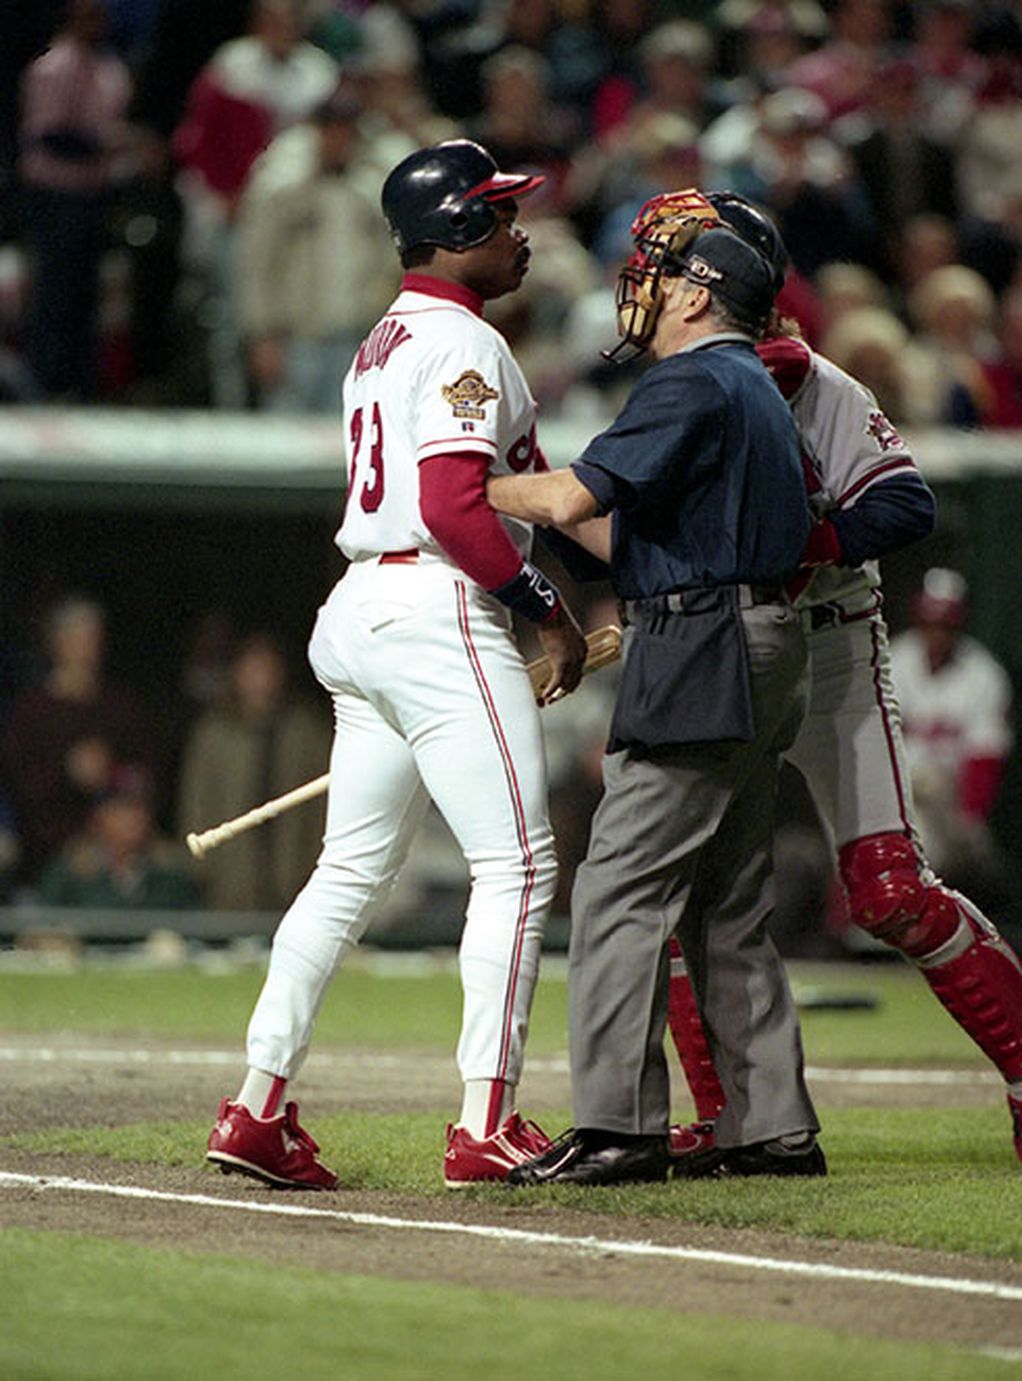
(682, 841)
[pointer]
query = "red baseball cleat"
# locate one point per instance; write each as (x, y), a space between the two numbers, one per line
(1015, 1108)
(689, 1139)
(274, 1149)
(467, 1161)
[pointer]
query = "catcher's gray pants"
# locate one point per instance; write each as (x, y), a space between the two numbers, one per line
(683, 840)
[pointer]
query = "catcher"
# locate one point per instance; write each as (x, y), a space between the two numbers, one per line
(868, 499)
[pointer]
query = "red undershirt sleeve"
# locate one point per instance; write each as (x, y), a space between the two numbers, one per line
(452, 496)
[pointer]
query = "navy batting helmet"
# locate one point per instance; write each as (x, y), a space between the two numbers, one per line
(443, 195)
(755, 228)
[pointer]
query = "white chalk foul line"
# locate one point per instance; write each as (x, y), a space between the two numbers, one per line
(823, 1074)
(555, 1064)
(605, 1246)
(57, 1056)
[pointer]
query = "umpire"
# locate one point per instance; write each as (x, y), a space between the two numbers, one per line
(701, 475)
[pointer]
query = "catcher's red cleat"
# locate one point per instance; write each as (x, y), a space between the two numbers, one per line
(1015, 1108)
(275, 1150)
(468, 1161)
(689, 1139)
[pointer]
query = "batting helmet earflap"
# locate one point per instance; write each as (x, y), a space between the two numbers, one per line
(755, 228)
(443, 195)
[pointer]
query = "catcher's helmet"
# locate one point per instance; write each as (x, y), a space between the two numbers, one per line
(443, 195)
(756, 229)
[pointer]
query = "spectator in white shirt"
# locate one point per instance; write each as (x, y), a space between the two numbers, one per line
(311, 280)
(955, 702)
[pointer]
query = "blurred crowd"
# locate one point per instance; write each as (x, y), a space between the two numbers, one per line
(189, 217)
(100, 784)
(189, 190)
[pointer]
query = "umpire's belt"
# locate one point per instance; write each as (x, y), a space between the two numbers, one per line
(699, 599)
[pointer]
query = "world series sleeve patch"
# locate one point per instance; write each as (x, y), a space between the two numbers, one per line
(469, 394)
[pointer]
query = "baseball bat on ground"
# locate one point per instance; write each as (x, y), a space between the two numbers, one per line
(604, 647)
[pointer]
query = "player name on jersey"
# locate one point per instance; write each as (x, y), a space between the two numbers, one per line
(379, 345)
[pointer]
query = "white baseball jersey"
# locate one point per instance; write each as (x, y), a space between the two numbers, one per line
(431, 378)
(960, 712)
(430, 693)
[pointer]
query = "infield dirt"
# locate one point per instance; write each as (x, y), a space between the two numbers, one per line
(69, 1087)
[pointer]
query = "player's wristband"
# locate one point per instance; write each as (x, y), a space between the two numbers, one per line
(530, 594)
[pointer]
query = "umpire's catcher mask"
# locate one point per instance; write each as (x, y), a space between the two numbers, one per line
(444, 196)
(662, 230)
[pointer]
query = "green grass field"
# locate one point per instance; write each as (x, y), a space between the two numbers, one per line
(295, 1322)
(358, 1327)
(937, 1178)
(390, 1006)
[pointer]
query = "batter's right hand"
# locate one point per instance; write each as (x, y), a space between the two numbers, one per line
(562, 641)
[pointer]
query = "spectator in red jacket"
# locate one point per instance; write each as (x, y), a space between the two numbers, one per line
(251, 89)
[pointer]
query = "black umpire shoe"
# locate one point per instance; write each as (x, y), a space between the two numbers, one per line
(589, 1156)
(787, 1155)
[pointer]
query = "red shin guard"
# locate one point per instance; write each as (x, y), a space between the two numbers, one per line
(982, 989)
(888, 898)
(689, 1038)
(972, 971)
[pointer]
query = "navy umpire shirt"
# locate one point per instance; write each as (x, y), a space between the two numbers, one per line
(702, 469)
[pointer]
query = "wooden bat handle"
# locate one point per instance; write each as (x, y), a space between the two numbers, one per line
(200, 844)
(604, 647)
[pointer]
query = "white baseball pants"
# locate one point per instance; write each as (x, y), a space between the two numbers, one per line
(430, 696)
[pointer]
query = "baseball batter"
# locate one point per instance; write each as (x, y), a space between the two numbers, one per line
(431, 696)
(869, 499)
